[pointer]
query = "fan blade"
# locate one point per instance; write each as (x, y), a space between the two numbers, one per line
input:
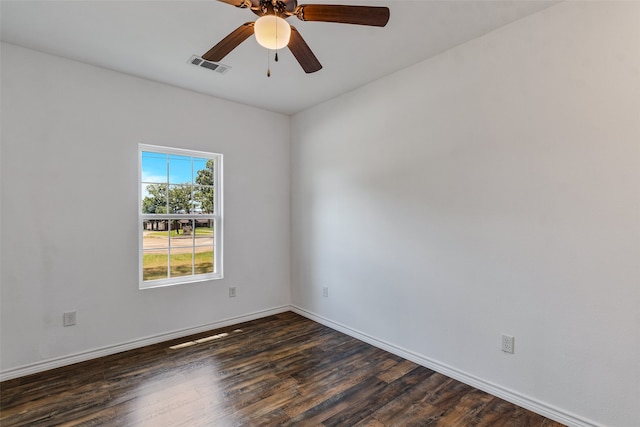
(362, 15)
(229, 43)
(303, 53)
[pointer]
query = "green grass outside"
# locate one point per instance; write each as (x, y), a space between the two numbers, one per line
(200, 231)
(154, 266)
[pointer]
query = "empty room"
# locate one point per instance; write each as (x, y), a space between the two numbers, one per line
(359, 213)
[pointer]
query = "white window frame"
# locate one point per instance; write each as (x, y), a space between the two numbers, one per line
(216, 216)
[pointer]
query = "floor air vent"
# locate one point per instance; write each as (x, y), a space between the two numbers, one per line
(214, 66)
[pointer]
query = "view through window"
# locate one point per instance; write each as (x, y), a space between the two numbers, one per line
(180, 216)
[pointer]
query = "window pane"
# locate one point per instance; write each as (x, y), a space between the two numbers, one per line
(204, 232)
(204, 227)
(181, 234)
(202, 199)
(204, 247)
(203, 171)
(204, 260)
(181, 262)
(155, 234)
(154, 264)
(180, 199)
(154, 198)
(180, 170)
(155, 241)
(154, 167)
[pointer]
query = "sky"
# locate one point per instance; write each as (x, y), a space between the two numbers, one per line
(181, 170)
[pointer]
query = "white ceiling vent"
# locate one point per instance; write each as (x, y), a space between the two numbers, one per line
(214, 66)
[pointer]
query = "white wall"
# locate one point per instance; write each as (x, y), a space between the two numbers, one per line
(492, 189)
(70, 134)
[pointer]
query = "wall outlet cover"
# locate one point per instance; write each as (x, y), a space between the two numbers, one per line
(507, 344)
(69, 318)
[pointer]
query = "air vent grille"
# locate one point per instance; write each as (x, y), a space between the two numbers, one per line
(213, 66)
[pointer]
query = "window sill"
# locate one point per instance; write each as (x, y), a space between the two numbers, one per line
(163, 283)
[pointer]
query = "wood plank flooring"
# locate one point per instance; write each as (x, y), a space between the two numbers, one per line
(282, 370)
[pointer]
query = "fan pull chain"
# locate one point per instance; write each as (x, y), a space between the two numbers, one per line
(268, 63)
(276, 42)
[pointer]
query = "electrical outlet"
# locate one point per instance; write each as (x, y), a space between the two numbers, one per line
(232, 292)
(69, 318)
(507, 343)
(325, 292)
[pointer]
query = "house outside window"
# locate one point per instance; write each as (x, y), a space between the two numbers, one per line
(180, 216)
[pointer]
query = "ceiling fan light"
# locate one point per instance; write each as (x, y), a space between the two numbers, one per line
(272, 32)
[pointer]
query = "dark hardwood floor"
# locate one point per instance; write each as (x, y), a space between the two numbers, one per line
(279, 370)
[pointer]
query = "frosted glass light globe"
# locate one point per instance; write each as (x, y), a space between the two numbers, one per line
(272, 32)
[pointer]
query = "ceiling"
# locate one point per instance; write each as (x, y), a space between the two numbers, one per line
(155, 39)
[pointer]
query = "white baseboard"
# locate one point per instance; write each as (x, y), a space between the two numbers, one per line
(58, 362)
(444, 369)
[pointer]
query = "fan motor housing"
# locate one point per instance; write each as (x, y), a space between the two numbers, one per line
(273, 7)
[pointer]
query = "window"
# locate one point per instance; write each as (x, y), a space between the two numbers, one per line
(180, 216)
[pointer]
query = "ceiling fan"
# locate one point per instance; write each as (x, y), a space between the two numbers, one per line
(273, 32)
